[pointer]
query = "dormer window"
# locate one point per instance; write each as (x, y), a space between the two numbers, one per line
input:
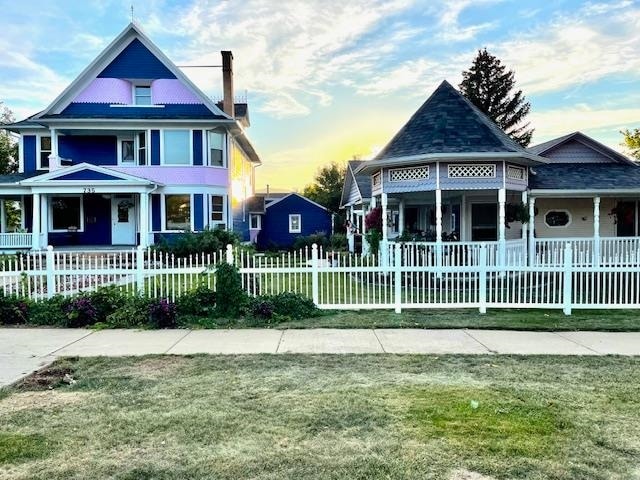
(142, 95)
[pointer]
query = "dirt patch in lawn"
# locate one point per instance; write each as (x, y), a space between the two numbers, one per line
(52, 376)
(42, 399)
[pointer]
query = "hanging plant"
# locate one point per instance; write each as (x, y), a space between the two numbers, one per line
(125, 204)
(516, 212)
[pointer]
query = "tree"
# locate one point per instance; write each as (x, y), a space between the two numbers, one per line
(8, 146)
(8, 164)
(489, 86)
(632, 141)
(327, 189)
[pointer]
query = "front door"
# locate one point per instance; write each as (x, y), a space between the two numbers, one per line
(123, 220)
(484, 222)
(626, 219)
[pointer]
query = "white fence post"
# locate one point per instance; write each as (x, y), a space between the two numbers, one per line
(51, 278)
(567, 274)
(229, 257)
(314, 274)
(397, 277)
(482, 278)
(140, 270)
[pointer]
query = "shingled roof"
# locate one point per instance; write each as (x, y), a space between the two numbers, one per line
(585, 176)
(448, 123)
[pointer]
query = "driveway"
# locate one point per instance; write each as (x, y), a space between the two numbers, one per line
(23, 350)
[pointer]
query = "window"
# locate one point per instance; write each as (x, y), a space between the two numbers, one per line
(557, 218)
(295, 223)
(127, 151)
(177, 212)
(217, 208)
(255, 222)
(66, 214)
(216, 141)
(45, 151)
(142, 148)
(177, 147)
(142, 95)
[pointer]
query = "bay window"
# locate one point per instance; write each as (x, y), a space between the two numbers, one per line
(177, 212)
(177, 147)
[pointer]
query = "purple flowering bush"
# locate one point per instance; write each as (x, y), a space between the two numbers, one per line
(80, 312)
(162, 313)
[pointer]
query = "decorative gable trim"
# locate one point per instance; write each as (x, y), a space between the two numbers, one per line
(110, 53)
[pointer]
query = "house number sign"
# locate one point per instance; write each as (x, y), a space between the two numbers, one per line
(89, 190)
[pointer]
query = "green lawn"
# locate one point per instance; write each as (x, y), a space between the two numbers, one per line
(510, 319)
(327, 417)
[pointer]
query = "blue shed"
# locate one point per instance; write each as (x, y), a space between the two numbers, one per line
(290, 217)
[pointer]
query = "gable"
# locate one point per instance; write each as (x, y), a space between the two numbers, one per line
(574, 151)
(87, 175)
(136, 61)
(295, 203)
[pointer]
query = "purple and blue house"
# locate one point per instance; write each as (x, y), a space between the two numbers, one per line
(130, 152)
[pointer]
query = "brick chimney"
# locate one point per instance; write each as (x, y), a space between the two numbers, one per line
(227, 83)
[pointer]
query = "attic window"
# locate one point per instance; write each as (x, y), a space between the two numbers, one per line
(142, 95)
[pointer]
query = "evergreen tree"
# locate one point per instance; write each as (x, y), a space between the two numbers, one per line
(489, 86)
(632, 142)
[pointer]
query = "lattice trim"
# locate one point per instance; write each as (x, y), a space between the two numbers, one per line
(409, 174)
(515, 173)
(472, 170)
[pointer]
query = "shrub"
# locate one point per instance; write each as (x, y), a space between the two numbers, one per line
(319, 238)
(134, 312)
(80, 312)
(374, 237)
(231, 298)
(338, 241)
(198, 302)
(261, 308)
(50, 311)
(162, 313)
(293, 305)
(106, 300)
(13, 310)
(207, 241)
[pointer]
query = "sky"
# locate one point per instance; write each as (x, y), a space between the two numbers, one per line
(328, 80)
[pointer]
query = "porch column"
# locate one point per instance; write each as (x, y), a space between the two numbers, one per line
(401, 217)
(525, 225)
(502, 232)
(44, 220)
(35, 229)
(144, 220)
(596, 231)
(532, 230)
(3, 217)
(438, 228)
(385, 222)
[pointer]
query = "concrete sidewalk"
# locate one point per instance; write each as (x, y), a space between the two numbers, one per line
(23, 350)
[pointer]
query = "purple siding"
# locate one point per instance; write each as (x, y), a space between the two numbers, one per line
(167, 91)
(106, 90)
(188, 175)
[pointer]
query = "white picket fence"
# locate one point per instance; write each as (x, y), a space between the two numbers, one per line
(401, 277)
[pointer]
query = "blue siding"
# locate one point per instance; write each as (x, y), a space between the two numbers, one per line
(275, 223)
(197, 147)
(198, 211)
(29, 146)
(97, 225)
(97, 150)
(104, 110)
(87, 175)
(136, 61)
(155, 147)
(156, 219)
(240, 222)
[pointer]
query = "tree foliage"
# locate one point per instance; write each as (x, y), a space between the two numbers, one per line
(8, 146)
(326, 188)
(489, 86)
(632, 142)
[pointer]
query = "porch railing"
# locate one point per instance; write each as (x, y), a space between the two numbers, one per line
(614, 251)
(15, 240)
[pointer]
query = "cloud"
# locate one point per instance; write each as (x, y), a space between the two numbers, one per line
(575, 50)
(450, 29)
